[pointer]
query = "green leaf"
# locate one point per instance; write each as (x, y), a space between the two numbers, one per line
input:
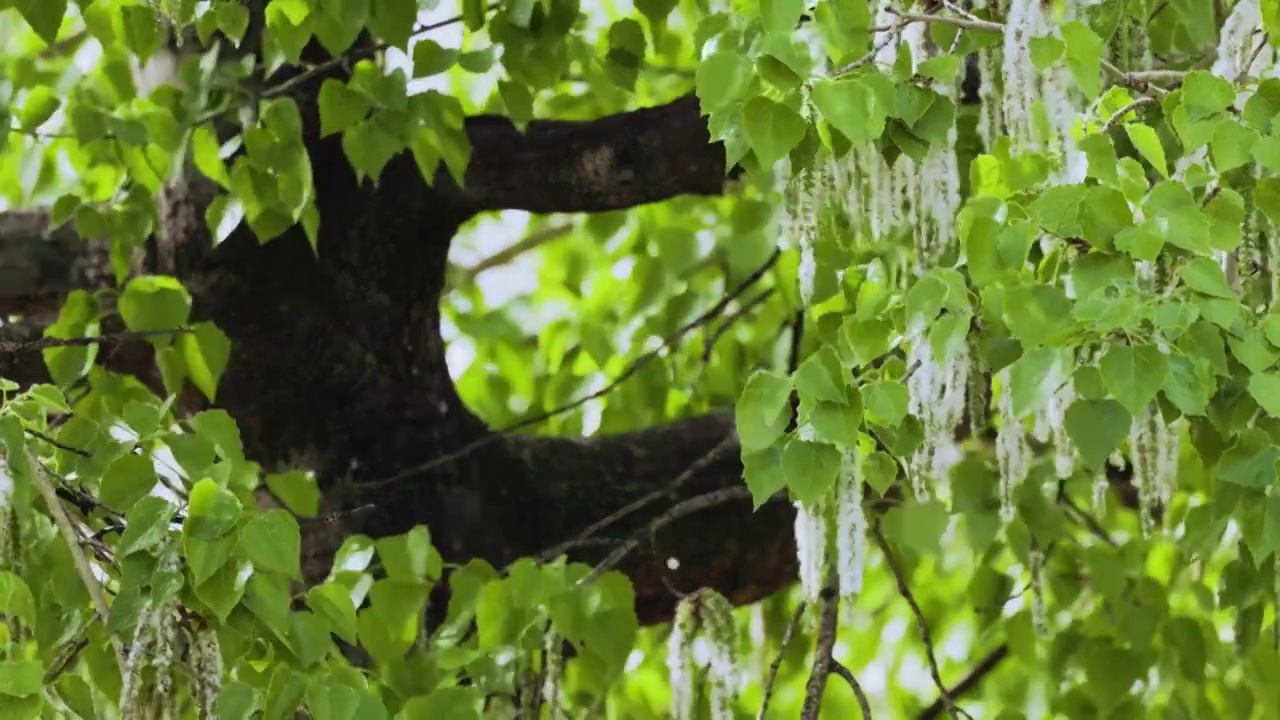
(155, 302)
(464, 703)
(16, 600)
(1084, 57)
(21, 678)
(333, 602)
(44, 16)
(1266, 195)
(762, 471)
(1205, 94)
(1097, 428)
(233, 20)
(837, 423)
(370, 146)
(212, 511)
(885, 402)
(810, 469)
(1034, 312)
(1045, 51)
(273, 542)
(393, 21)
(410, 556)
(773, 129)
(1250, 461)
(720, 79)
(205, 351)
(297, 490)
(40, 105)
(1148, 145)
(341, 107)
(821, 378)
(850, 106)
(128, 480)
(781, 17)
(146, 525)
(1265, 389)
(1133, 374)
(763, 410)
(429, 58)
(1205, 276)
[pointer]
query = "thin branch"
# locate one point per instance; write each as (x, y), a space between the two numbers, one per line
(891, 34)
(56, 443)
(698, 466)
(12, 348)
(354, 55)
(1115, 117)
(828, 623)
(637, 365)
(72, 539)
(926, 637)
(688, 507)
(838, 668)
(966, 23)
(733, 317)
(777, 660)
(530, 242)
(1244, 69)
(984, 668)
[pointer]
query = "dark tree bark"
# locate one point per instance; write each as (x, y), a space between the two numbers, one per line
(338, 365)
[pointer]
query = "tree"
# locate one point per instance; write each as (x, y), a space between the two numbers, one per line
(987, 285)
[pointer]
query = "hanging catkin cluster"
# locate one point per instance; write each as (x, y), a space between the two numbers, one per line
(704, 640)
(147, 689)
(851, 526)
(205, 666)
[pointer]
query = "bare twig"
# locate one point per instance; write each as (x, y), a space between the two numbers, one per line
(680, 510)
(1117, 115)
(828, 623)
(1253, 57)
(984, 668)
(960, 22)
(506, 255)
(636, 366)
(891, 34)
(733, 317)
(69, 535)
(838, 668)
(359, 54)
(14, 348)
(60, 445)
(777, 660)
(926, 637)
(668, 492)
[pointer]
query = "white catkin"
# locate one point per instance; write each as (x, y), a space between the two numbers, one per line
(704, 619)
(1064, 457)
(553, 648)
(811, 548)
(206, 672)
(1153, 450)
(1238, 40)
(1100, 487)
(851, 527)
(1038, 615)
(721, 633)
(680, 661)
(1024, 86)
(137, 660)
(1013, 455)
(938, 396)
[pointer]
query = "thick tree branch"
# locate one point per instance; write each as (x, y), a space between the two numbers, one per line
(615, 162)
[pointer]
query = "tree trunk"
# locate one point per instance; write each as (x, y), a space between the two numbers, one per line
(338, 366)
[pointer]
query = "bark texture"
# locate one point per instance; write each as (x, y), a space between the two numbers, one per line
(338, 365)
